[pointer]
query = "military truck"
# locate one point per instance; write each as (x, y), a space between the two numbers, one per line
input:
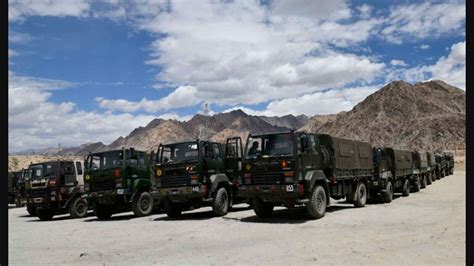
(193, 174)
(449, 158)
(20, 197)
(392, 173)
(432, 166)
(118, 181)
(303, 169)
(440, 160)
(55, 187)
(420, 163)
(12, 179)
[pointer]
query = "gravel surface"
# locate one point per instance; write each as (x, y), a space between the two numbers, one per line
(427, 227)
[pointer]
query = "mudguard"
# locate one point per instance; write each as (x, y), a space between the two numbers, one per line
(316, 175)
(216, 179)
(139, 185)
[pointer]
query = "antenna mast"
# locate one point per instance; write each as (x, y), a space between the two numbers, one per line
(204, 128)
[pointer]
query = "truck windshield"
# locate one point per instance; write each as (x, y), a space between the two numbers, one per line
(179, 153)
(44, 170)
(104, 160)
(270, 145)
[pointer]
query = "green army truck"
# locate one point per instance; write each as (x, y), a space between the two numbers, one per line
(303, 169)
(20, 197)
(12, 180)
(449, 158)
(432, 166)
(56, 187)
(441, 161)
(392, 173)
(420, 161)
(118, 181)
(194, 174)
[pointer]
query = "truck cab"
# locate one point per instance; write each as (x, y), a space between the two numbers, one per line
(55, 187)
(118, 181)
(193, 174)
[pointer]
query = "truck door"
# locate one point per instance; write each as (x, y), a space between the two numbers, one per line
(213, 158)
(233, 159)
(309, 153)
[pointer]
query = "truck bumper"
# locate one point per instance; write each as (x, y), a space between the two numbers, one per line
(291, 194)
(180, 194)
(111, 196)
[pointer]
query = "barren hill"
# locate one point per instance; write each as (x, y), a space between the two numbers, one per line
(429, 116)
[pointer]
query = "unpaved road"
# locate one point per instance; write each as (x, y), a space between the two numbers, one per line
(427, 227)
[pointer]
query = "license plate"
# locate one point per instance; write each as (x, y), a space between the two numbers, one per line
(290, 188)
(38, 200)
(195, 189)
(376, 183)
(174, 192)
(120, 191)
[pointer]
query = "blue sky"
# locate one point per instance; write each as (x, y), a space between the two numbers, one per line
(83, 71)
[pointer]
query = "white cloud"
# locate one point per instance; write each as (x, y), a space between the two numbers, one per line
(181, 97)
(12, 53)
(396, 62)
(450, 68)
(365, 10)
(18, 10)
(35, 121)
(262, 53)
(15, 37)
(175, 116)
(425, 20)
(424, 46)
(328, 102)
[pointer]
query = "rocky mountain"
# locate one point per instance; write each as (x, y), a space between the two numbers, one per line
(65, 151)
(429, 116)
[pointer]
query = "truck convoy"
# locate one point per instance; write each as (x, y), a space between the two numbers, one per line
(118, 181)
(55, 187)
(189, 175)
(275, 169)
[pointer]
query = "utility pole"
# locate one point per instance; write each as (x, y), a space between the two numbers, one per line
(59, 149)
(204, 128)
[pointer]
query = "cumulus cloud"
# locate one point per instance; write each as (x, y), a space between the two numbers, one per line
(396, 62)
(263, 53)
(425, 20)
(327, 102)
(35, 121)
(12, 53)
(18, 10)
(450, 68)
(424, 46)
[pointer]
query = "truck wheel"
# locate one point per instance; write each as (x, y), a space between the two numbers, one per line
(361, 195)
(78, 208)
(102, 212)
(45, 215)
(220, 205)
(262, 209)
(423, 182)
(173, 210)
(142, 204)
(31, 209)
(388, 193)
(406, 188)
(416, 185)
(316, 207)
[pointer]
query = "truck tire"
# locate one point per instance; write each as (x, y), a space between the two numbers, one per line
(78, 208)
(416, 185)
(262, 209)
(173, 210)
(102, 212)
(220, 204)
(316, 208)
(45, 214)
(142, 204)
(360, 195)
(406, 188)
(31, 209)
(423, 181)
(388, 193)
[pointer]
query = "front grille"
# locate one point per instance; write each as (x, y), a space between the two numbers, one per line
(175, 181)
(35, 185)
(102, 185)
(266, 178)
(40, 192)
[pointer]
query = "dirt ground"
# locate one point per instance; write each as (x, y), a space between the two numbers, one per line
(427, 227)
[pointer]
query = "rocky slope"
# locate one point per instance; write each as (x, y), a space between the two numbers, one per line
(429, 116)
